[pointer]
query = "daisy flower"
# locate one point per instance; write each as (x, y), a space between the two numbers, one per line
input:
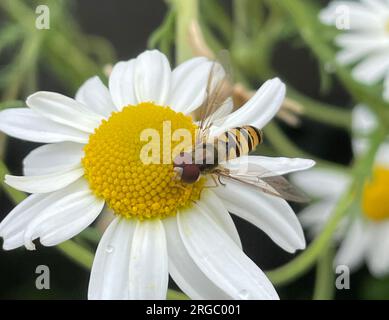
(365, 40)
(364, 236)
(91, 164)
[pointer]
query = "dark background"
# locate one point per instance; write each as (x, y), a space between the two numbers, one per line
(127, 25)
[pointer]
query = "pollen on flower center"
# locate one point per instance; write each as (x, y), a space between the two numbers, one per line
(375, 201)
(115, 172)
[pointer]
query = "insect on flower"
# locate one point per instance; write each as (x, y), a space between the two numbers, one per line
(210, 152)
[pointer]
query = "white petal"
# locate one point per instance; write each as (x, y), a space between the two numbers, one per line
(121, 84)
(382, 156)
(372, 69)
(317, 214)
(109, 276)
(52, 158)
(152, 77)
(56, 217)
(271, 214)
(360, 17)
(363, 124)
(214, 207)
(378, 6)
(259, 110)
(25, 124)
(354, 246)
(64, 110)
(67, 218)
(269, 166)
(363, 120)
(189, 81)
(96, 97)
(221, 259)
(45, 183)
(149, 274)
(185, 273)
(13, 226)
(73, 209)
(319, 182)
(377, 251)
(356, 46)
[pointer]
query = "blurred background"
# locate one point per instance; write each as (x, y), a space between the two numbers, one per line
(87, 35)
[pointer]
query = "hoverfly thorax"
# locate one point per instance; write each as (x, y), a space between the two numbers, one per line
(190, 165)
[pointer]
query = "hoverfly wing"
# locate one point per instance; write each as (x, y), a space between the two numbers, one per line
(218, 91)
(267, 182)
(285, 189)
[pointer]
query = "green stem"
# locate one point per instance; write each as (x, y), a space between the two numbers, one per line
(176, 295)
(324, 285)
(322, 112)
(76, 253)
(283, 145)
(24, 66)
(305, 260)
(186, 13)
(163, 37)
(214, 16)
(241, 22)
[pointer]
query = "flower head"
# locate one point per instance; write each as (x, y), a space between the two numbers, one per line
(364, 236)
(91, 163)
(364, 39)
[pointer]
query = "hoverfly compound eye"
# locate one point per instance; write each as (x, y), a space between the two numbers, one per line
(190, 173)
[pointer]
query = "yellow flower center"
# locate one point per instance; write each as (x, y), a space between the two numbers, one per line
(117, 172)
(375, 201)
(387, 26)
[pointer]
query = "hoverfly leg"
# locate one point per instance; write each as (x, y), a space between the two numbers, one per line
(216, 184)
(220, 181)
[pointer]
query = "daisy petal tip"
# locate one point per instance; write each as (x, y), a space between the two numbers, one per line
(6, 179)
(281, 87)
(7, 247)
(303, 244)
(299, 245)
(30, 246)
(309, 163)
(277, 82)
(10, 180)
(31, 99)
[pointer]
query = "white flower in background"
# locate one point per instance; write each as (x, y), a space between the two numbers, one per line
(91, 163)
(364, 236)
(365, 40)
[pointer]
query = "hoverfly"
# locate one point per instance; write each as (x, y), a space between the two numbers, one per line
(209, 153)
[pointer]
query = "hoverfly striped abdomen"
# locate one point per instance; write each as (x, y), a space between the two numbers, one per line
(237, 142)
